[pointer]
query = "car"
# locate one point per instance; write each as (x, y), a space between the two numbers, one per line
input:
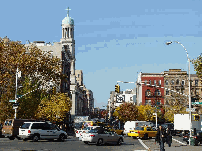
(102, 136)
(41, 130)
(170, 126)
(10, 127)
(79, 133)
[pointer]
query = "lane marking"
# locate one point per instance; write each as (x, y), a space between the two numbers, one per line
(179, 141)
(145, 146)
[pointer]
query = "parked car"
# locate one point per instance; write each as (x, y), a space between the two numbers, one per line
(102, 136)
(41, 130)
(11, 127)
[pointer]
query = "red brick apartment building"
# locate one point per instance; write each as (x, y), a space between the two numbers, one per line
(150, 89)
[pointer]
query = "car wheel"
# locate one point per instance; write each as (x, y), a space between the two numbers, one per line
(134, 137)
(11, 138)
(35, 138)
(85, 142)
(25, 139)
(119, 141)
(145, 136)
(61, 138)
(99, 142)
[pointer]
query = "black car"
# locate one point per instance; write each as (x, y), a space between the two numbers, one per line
(170, 126)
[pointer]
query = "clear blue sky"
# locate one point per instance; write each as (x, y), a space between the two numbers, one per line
(115, 39)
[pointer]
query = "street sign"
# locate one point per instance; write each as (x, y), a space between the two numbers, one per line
(12, 100)
(15, 107)
(120, 98)
(196, 102)
(190, 109)
(16, 104)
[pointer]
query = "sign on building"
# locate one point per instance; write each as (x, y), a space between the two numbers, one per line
(120, 98)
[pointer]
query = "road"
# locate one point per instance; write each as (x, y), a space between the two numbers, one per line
(71, 143)
(74, 144)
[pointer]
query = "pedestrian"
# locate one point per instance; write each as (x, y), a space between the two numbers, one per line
(161, 138)
(169, 137)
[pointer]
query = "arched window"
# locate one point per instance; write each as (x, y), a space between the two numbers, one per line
(172, 81)
(147, 92)
(177, 81)
(166, 82)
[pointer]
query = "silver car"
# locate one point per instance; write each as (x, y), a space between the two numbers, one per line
(102, 136)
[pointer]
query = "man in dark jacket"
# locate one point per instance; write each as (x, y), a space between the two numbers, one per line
(169, 137)
(161, 137)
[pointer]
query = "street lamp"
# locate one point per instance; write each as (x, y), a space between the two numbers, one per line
(168, 43)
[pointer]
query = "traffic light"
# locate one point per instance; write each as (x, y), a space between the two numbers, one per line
(196, 117)
(117, 88)
(54, 90)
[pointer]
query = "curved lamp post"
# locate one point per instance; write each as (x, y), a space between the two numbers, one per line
(168, 43)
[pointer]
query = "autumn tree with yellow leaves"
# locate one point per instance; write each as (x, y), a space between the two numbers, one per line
(54, 108)
(126, 112)
(37, 68)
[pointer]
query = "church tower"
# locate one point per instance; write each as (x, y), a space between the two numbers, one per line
(67, 39)
(68, 45)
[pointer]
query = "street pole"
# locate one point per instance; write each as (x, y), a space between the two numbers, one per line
(16, 84)
(190, 115)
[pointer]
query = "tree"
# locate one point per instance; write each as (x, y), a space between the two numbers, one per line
(126, 112)
(36, 66)
(145, 112)
(55, 108)
(198, 65)
(176, 108)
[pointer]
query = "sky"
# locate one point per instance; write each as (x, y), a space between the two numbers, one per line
(115, 40)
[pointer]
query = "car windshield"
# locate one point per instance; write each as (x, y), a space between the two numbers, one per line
(25, 126)
(139, 128)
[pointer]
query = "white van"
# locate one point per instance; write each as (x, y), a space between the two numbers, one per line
(131, 125)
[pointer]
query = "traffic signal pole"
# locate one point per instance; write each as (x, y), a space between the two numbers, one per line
(16, 84)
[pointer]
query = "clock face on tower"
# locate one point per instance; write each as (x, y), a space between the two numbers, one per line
(120, 98)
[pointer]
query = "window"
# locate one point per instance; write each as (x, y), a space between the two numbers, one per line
(148, 92)
(167, 92)
(172, 81)
(25, 126)
(147, 102)
(177, 81)
(155, 82)
(183, 82)
(36, 126)
(139, 128)
(166, 82)
(157, 92)
(196, 82)
(150, 82)
(159, 82)
(145, 82)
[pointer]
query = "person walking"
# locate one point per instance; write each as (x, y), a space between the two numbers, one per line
(169, 137)
(161, 138)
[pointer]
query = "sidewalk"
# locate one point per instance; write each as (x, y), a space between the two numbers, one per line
(175, 146)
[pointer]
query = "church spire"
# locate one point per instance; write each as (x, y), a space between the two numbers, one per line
(68, 11)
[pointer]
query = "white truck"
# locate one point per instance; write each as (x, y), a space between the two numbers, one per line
(79, 120)
(182, 123)
(131, 125)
